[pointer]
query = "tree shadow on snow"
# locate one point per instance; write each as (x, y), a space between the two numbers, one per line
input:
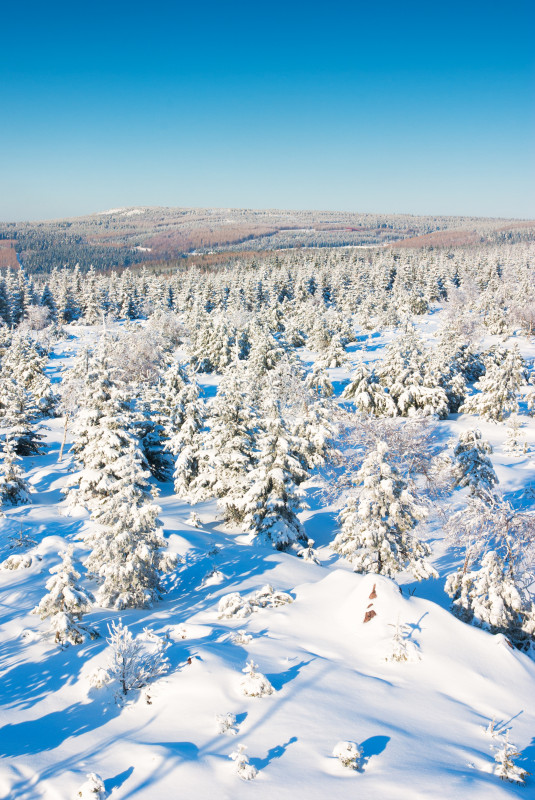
(272, 754)
(280, 679)
(51, 730)
(373, 746)
(527, 759)
(118, 780)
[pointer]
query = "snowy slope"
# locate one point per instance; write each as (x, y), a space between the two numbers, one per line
(421, 723)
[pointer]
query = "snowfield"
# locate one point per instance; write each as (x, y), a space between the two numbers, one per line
(422, 723)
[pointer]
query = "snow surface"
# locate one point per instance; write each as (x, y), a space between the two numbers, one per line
(421, 724)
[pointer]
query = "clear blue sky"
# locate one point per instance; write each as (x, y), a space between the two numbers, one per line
(419, 107)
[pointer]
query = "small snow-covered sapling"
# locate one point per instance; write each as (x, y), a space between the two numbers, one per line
(244, 770)
(92, 789)
(241, 637)
(349, 754)
(402, 648)
(130, 665)
(505, 754)
(227, 724)
(255, 684)
(308, 553)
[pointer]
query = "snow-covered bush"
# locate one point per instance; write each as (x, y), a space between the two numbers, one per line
(255, 684)
(268, 597)
(244, 770)
(349, 754)
(17, 561)
(234, 605)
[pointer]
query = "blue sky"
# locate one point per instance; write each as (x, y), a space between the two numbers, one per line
(413, 107)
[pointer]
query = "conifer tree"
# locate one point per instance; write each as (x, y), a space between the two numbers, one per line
(25, 365)
(271, 504)
(515, 441)
(5, 310)
(150, 427)
(498, 389)
(367, 394)
(377, 527)
(490, 598)
(185, 442)
(227, 452)
(66, 603)
(126, 551)
(472, 466)
(13, 488)
(19, 413)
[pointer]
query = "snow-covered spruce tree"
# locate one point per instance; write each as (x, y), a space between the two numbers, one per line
(101, 431)
(313, 432)
(13, 488)
(411, 383)
(150, 428)
(25, 365)
(174, 379)
(377, 526)
(472, 466)
(318, 381)
(127, 552)
(266, 352)
(66, 603)
(367, 394)
(184, 443)
(334, 355)
(515, 441)
(274, 498)
(227, 453)
(19, 415)
(490, 598)
(498, 389)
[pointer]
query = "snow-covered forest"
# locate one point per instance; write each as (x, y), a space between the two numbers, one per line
(270, 529)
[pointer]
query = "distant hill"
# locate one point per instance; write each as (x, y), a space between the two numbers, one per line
(123, 237)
